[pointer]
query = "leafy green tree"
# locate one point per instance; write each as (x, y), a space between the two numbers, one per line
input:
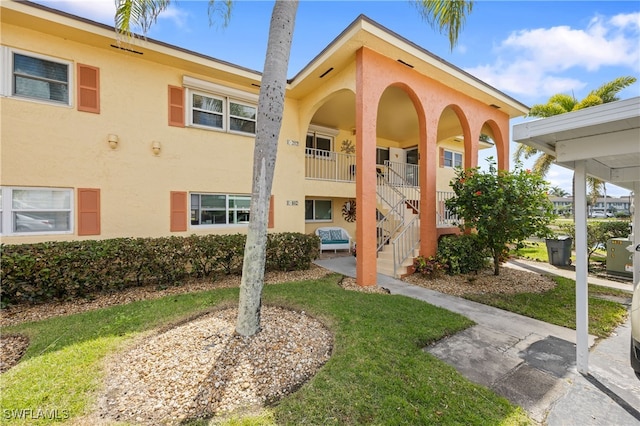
(502, 207)
(446, 15)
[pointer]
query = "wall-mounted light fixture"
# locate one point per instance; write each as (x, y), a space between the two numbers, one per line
(155, 147)
(113, 140)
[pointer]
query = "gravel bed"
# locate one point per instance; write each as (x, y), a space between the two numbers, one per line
(201, 368)
(509, 281)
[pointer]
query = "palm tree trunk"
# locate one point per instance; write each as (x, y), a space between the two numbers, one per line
(269, 122)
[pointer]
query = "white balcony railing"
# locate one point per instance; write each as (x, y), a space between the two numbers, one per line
(329, 165)
(444, 218)
(339, 167)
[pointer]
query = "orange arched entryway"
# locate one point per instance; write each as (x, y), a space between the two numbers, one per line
(374, 74)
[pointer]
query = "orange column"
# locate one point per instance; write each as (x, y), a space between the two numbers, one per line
(366, 112)
(428, 166)
(502, 143)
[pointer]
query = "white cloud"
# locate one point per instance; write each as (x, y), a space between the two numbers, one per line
(104, 10)
(534, 62)
(177, 16)
(95, 10)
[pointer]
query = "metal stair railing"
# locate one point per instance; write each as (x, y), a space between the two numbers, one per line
(404, 244)
(395, 202)
(399, 194)
(397, 174)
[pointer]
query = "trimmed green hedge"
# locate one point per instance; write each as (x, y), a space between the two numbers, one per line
(462, 253)
(33, 273)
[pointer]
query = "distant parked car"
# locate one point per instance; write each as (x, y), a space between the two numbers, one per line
(635, 331)
(31, 223)
(601, 214)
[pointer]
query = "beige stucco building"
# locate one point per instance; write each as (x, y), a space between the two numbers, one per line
(103, 139)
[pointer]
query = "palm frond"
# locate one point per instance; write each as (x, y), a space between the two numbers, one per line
(546, 110)
(524, 152)
(447, 16)
(543, 164)
(564, 101)
(589, 101)
(221, 10)
(141, 13)
(608, 92)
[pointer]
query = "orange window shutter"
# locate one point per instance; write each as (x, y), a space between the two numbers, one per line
(88, 89)
(88, 211)
(176, 106)
(271, 222)
(178, 211)
(441, 157)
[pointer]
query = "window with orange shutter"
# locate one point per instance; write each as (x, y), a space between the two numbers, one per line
(176, 106)
(88, 211)
(88, 89)
(178, 219)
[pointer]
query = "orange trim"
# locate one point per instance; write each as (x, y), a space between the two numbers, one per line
(441, 157)
(176, 106)
(271, 222)
(88, 88)
(88, 211)
(178, 211)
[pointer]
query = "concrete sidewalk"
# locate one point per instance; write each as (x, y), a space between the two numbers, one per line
(530, 362)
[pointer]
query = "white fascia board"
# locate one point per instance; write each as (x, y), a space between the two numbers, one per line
(527, 133)
(625, 112)
(623, 142)
(594, 168)
(626, 174)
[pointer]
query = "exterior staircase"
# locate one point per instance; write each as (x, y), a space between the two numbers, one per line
(398, 223)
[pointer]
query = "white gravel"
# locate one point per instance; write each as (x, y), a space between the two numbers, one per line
(201, 368)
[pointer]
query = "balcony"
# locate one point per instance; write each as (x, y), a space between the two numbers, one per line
(322, 165)
(329, 165)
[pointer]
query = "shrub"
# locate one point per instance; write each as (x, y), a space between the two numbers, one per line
(598, 233)
(503, 207)
(429, 267)
(290, 251)
(42, 272)
(462, 253)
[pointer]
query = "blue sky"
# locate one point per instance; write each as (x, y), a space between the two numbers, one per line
(527, 49)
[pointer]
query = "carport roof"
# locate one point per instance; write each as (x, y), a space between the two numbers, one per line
(607, 136)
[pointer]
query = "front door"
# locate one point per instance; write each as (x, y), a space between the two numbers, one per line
(412, 166)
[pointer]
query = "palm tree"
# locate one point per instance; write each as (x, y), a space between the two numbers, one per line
(561, 103)
(445, 15)
(556, 191)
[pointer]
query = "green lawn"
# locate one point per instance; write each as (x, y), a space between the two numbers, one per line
(533, 250)
(558, 306)
(378, 373)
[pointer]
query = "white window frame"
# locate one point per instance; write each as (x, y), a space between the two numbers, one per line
(7, 211)
(314, 220)
(191, 93)
(6, 78)
(325, 132)
(227, 210)
(454, 154)
(237, 117)
(216, 91)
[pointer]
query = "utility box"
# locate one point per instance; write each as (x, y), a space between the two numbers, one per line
(559, 251)
(619, 259)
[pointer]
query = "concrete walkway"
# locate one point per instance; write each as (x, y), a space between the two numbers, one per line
(530, 362)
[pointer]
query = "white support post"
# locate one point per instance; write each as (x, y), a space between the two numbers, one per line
(582, 293)
(635, 238)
